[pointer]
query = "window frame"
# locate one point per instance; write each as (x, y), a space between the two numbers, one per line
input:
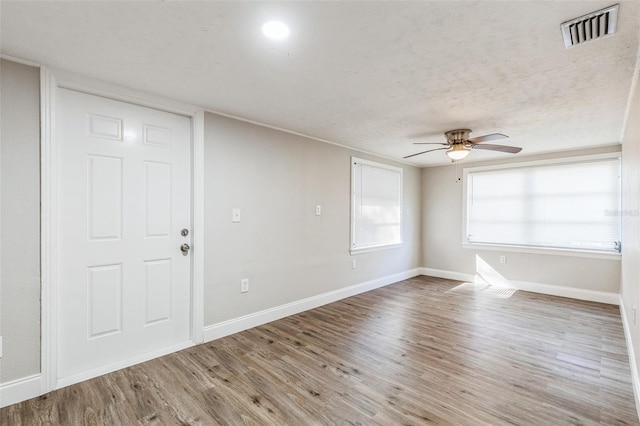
(365, 249)
(516, 248)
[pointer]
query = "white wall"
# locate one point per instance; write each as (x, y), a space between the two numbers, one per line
(287, 252)
(442, 235)
(630, 289)
(20, 220)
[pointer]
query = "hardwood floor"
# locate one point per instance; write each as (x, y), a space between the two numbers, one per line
(422, 351)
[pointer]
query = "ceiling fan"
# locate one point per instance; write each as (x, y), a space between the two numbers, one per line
(459, 145)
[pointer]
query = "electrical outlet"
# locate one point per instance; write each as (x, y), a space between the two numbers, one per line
(318, 209)
(634, 315)
(244, 285)
(503, 259)
(235, 215)
(354, 264)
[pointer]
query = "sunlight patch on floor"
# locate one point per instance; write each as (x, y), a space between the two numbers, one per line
(484, 288)
(488, 281)
(500, 286)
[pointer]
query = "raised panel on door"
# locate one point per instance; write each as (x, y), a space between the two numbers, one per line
(124, 195)
(158, 199)
(104, 301)
(158, 278)
(104, 197)
(104, 127)
(157, 136)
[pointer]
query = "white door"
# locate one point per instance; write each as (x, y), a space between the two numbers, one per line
(124, 198)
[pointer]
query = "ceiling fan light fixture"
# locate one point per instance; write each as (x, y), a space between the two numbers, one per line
(458, 152)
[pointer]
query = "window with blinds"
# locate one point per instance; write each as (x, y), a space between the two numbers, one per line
(376, 205)
(572, 205)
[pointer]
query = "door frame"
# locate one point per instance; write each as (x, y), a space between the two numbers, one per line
(50, 81)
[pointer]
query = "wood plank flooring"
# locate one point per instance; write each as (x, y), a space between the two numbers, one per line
(422, 351)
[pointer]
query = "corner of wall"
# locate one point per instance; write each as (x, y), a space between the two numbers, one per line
(635, 379)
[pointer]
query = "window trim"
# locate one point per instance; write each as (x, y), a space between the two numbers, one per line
(367, 249)
(555, 251)
(516, 248)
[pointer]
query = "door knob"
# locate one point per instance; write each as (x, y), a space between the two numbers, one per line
(185, 249)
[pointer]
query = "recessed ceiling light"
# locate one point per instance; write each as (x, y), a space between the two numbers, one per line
(275, 30)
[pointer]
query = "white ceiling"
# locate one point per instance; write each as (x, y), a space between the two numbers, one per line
(376, 76)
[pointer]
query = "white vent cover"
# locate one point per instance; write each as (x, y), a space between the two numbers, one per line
(590, 27)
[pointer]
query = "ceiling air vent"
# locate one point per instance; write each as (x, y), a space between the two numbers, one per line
(590, 27)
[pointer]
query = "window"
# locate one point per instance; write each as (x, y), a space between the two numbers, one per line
(569, 205)
(376, 205)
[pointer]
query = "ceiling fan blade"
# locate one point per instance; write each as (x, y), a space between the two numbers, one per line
(487, 138)
(431, 143)
(501, 148)
(424, 152)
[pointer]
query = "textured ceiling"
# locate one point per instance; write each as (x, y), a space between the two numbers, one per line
(376, 76)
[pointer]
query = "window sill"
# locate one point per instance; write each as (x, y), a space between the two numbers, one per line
(547, 251)
(375, 248)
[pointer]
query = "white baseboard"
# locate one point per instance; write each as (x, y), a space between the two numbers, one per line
(632, 356)
(86, 375)
(246, 322)
(450, 275)
(572, 292)
(550, 289)
(19, 390)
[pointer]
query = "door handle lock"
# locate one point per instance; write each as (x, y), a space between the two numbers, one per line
(185, 249)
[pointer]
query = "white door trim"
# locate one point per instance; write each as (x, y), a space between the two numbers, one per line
(50, 80)
(48, 231)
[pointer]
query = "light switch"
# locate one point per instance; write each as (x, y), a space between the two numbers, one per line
(318, 209)
(235, 216)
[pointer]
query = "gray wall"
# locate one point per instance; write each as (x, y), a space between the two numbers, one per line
(442, 236)
(630, 290)
(287, 252)
(19, 220)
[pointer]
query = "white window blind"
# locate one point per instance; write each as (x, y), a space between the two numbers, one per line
(376, 205)
(570, 206)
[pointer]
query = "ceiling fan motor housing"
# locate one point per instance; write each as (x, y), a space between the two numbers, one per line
(458, 136)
